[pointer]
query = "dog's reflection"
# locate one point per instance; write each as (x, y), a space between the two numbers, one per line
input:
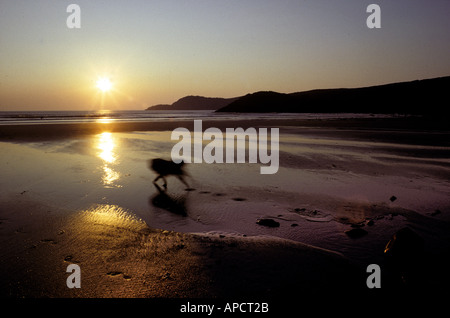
(164, 201)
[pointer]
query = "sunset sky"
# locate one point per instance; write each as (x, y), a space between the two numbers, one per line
(159, 51)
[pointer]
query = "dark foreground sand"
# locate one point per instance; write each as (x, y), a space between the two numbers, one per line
(122, 256)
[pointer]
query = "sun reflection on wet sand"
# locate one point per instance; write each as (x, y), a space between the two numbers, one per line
(110, 176)
(113, 215)
(106, 145)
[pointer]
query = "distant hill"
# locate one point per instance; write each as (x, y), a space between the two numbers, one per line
(195, 103)
(427, 96)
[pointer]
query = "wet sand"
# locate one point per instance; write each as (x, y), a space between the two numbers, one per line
(120, 256)
(82, 194)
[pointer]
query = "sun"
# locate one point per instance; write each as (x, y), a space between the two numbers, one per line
(104, 84)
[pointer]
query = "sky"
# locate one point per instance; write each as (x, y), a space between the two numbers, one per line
(157, 51)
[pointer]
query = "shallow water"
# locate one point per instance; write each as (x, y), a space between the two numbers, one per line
(323, 186)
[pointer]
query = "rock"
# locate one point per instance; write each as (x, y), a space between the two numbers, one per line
(404, 244)
(370, 223)
(405, 256)
(356, 232)
(268, 222)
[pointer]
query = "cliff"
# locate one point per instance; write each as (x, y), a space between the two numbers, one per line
(195, 103)
(427, 96)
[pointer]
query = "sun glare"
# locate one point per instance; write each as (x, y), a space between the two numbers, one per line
(104, 84)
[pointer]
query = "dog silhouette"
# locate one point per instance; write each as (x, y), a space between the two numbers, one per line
(166, 168)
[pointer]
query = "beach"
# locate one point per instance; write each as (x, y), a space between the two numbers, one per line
(82, 193)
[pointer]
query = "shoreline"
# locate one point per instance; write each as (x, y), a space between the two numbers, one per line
(428, 128)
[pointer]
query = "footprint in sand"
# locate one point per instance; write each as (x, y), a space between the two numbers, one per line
(69, 259)
(49, 241)
(115, 273)
(21, 231)
(313, 215)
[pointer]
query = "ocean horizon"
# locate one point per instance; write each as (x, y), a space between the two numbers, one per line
(78, 116)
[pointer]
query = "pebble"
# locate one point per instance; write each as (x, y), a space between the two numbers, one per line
(268, 222)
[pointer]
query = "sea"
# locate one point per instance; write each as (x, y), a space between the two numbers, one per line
(77, 116)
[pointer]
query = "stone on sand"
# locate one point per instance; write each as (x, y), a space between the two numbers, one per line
(268, 222)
